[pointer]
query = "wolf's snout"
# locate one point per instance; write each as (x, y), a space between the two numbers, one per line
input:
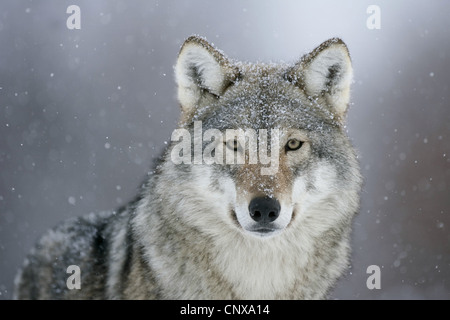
(264, 209)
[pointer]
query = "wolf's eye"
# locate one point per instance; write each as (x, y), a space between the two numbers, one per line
(293, 144)
(232, 144)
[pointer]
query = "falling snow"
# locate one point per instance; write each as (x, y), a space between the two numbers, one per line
(62, 92)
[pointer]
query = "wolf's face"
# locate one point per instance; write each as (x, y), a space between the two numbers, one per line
(273, 152)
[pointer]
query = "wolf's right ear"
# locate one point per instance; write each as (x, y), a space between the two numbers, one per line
(202, 72)
(327, 73)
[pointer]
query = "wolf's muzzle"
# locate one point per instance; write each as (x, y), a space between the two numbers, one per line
(264, 210)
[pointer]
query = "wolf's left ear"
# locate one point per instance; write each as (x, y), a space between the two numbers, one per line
(202, 73)
(326, 72)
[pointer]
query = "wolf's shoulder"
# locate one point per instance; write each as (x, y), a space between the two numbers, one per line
(81, 241)
(75, 233)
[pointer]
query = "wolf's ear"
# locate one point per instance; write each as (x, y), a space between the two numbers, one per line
(202, 72)
(326, 72)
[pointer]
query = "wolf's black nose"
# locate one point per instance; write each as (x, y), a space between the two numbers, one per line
(264, 209)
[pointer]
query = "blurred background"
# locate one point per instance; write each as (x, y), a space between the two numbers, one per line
(84, 112)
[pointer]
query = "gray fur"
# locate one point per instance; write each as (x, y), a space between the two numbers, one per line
(180, 238)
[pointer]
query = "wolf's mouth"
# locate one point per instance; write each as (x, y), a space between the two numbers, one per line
(264, 231)
(235, 219)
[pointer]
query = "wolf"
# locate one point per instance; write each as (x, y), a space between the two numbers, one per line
(208, 230)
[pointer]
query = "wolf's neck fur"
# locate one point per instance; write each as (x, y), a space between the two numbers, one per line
(240, 266)
(259, 268)
(277, 268)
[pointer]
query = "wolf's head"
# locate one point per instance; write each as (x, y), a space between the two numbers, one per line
(262, 147)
